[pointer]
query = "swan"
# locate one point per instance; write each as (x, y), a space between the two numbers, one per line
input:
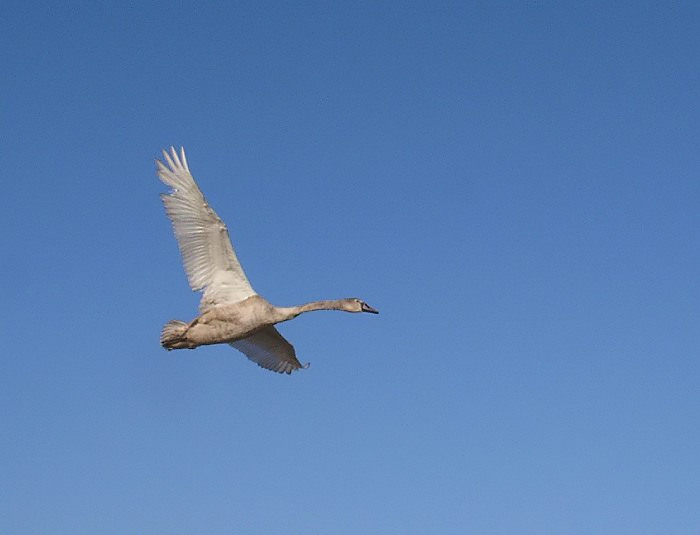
(231, 312)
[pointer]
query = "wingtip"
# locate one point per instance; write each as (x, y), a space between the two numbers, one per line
(174, 159)
(169, 160)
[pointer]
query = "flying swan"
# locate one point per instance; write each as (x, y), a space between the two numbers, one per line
(231, 312)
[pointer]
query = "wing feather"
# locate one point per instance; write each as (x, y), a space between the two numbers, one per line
(207, 254)
(269, 350)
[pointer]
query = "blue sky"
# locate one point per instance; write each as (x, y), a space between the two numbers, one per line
(515, 186)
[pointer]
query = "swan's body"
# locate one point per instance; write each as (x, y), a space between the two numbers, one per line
(231, 311)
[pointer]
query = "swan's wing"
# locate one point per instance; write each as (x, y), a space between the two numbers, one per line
(268, 349)
(210, 262)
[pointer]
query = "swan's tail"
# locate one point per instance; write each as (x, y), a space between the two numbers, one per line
(173, 335)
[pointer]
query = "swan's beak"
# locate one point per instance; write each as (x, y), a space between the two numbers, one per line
(367, 308)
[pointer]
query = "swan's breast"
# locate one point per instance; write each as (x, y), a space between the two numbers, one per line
(228, 323)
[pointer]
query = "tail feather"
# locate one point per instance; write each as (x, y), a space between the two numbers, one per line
(173, 335)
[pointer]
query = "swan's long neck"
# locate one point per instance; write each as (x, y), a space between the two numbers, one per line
(288, 313)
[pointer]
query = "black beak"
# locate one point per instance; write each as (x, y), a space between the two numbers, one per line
(367, 308)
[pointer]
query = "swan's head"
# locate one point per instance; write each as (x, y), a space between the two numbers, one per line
(353, 304)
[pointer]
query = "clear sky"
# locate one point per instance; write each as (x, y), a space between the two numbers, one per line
(515, 186)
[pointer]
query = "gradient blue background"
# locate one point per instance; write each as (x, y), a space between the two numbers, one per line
(515, 186)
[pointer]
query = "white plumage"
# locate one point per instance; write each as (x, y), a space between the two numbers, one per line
(210, 262)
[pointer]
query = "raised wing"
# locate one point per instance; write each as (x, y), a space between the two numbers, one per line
(210, 262)
(268, 349)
